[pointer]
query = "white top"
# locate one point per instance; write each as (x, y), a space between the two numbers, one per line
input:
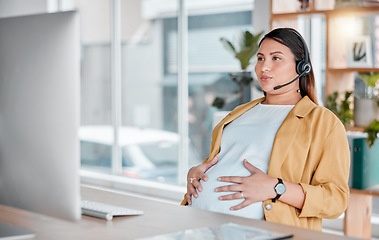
(249, 137)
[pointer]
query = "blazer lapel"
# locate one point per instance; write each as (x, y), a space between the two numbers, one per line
(287, 133)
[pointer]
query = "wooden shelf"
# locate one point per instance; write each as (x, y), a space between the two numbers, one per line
(354, 69)
(365, 192)
(292, 14)
(354, 128)
(338, 11)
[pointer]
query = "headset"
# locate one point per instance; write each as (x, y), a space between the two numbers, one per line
(303, 67)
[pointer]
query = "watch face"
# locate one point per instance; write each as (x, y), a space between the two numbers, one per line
(280, 188)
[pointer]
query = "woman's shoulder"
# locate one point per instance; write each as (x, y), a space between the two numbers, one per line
(309, 110)
(325, 119)
(325, 113)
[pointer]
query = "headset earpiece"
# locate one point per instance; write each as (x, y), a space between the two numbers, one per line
(303, 67)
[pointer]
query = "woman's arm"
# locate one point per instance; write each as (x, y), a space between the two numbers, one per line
(327, 195)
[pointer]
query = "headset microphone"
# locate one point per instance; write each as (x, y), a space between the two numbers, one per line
(303, 67)
(299, 76)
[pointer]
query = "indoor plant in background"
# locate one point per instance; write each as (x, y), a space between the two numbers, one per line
(366, 99)
(244, 49)
(341, 108)
(366, 105)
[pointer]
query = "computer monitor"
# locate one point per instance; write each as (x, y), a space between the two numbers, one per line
(40, 113)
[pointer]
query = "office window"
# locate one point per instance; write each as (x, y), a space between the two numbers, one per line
(208, 65)
(150, 150)
(149, 133)
(96, 84)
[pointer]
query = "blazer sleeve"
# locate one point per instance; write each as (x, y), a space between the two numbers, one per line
(327, 195)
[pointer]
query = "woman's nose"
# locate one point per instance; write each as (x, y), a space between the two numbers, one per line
(265, 66)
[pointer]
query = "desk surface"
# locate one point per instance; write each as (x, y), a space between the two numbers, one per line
(159, 218)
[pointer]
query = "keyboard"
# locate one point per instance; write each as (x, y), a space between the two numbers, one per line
(106, 211)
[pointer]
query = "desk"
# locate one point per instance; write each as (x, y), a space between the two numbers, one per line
(159, 218)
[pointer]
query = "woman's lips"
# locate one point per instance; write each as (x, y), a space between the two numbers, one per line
(266, 78)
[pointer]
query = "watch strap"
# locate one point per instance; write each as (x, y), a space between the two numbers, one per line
(280, 181)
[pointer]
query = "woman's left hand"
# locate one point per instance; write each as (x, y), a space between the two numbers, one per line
(255, 188)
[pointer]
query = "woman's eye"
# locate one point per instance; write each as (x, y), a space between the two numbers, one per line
(260, 59)
(276, 58)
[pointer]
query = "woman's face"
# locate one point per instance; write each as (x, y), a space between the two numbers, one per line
(275, 66)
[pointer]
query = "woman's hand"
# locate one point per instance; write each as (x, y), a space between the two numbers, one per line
(195, 174)
(255, 188)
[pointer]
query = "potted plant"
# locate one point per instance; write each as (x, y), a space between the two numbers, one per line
(366, 101)
(341, 108)
(366, 106)
(244, 49)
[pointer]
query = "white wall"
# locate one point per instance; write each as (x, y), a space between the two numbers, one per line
(261, 18)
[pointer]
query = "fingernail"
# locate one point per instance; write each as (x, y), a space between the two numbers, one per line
(219, 179)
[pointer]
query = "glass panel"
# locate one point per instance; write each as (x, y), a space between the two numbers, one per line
(95, 132)
(149, 133)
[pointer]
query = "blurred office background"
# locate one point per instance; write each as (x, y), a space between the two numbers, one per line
(131, 69)
(150, 70)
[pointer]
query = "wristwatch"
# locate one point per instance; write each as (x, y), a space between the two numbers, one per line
(280, 189)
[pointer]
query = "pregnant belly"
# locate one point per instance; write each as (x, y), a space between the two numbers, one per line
(208, 198)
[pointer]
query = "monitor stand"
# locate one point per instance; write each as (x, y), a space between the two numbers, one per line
(8, 231)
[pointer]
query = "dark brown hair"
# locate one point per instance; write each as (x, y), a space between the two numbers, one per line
(292, 39)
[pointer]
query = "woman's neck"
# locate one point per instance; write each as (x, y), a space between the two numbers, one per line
(288, 98)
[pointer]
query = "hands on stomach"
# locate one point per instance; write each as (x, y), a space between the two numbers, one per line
(254, 188)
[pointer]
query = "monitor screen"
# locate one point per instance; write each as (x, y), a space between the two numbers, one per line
(39, 113)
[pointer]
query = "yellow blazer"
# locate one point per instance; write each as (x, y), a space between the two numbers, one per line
(310, 148)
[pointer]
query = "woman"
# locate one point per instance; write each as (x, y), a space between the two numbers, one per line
(281, 158)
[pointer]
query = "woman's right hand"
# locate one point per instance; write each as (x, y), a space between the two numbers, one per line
(195, 174)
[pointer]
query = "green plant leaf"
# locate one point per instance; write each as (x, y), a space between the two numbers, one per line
(341, 109)
(228, 46)
(370, 78)
(372, 131)
(331, 102)
(244, 57)
(245, 48)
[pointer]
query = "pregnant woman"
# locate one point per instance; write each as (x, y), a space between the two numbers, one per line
(281, 158)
